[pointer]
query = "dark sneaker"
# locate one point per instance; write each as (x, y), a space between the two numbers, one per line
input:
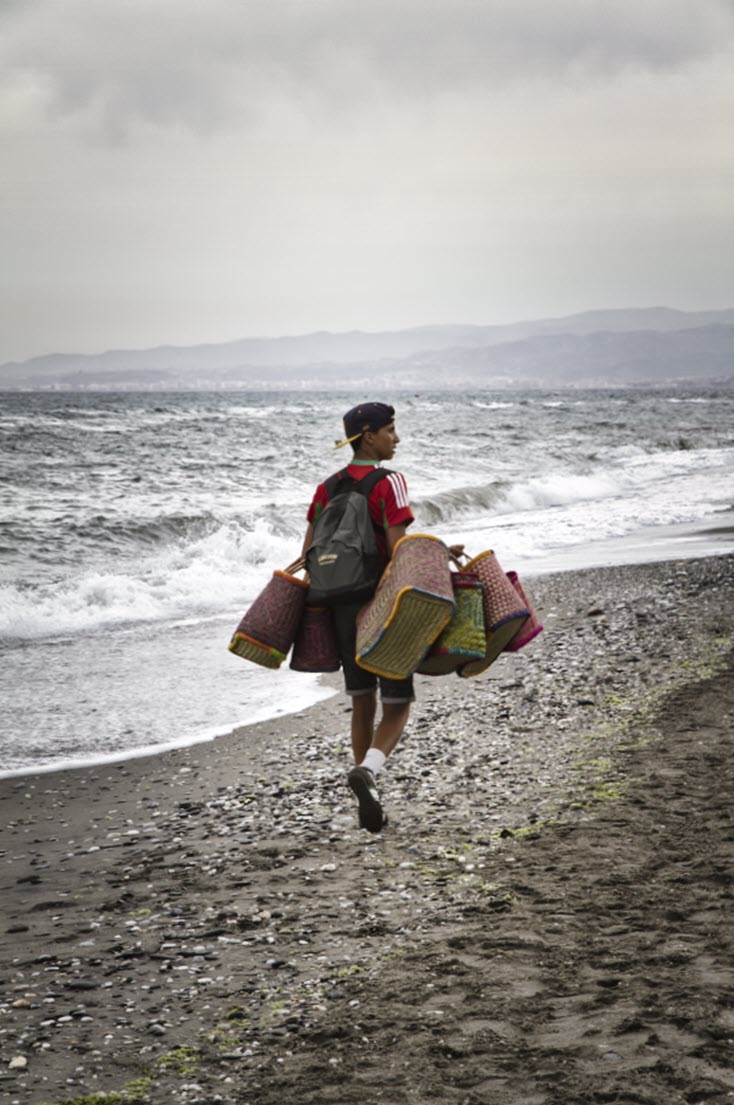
(362, 782)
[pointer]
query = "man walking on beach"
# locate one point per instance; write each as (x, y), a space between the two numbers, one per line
(370, 430)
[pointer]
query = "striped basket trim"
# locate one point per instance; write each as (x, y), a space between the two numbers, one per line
(414, 537)
(476, 560)
(292, 579)
(250, 649)
(401, 645)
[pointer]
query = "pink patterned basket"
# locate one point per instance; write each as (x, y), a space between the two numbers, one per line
(505, 613)
(315, 645)
(269, 627)
(414, 601)
(532, 626)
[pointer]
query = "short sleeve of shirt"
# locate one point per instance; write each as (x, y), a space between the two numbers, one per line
(318, 503)
(390, 497)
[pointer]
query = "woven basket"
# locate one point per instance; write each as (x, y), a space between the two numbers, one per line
(505, 613)
(315, 646)
(269, 627)
(532, 626)
(465, 637)
(413, 603)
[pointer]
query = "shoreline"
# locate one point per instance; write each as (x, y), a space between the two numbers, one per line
(209, 916)
(646, 548)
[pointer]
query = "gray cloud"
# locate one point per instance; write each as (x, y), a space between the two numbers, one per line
(218, 64)
(179, 171)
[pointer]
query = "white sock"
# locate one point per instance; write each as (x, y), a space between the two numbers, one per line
(374, 760)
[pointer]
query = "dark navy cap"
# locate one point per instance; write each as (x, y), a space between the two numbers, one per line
(367, 416)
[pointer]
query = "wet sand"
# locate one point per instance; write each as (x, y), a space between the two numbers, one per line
(545, 921)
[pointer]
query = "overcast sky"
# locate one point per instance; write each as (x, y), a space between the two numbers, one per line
(177, 171)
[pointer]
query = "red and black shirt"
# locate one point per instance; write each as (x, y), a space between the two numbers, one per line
(388, 502)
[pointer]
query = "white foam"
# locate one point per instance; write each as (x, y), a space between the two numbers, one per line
(538, 528)
(309, 693)
(222, 571)
(560, 490)
(691, 399)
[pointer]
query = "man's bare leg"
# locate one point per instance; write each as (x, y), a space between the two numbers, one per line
(390, 730)
(364, 708)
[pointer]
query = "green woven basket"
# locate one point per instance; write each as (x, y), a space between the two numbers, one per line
(465, 637)
(505, 611)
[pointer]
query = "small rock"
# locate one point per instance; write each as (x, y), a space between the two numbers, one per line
(18, 1063)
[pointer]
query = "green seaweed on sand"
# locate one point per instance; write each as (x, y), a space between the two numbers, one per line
(277, 1007)
(99, 1098)
(601, 765)
(599, 793)
(353, 969)
(181, 1060)
(223, 1037)
(526, 832)
(132, 1093)
(397, 953)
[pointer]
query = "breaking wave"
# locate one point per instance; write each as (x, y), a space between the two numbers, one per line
(221, 571)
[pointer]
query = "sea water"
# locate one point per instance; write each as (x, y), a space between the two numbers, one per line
(135, 529)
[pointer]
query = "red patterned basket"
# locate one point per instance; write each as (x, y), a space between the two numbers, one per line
(465, 637)
(532, 626)
(505, 613)
(315, 645)
(269, 627)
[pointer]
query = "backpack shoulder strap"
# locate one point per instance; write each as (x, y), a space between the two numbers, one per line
(365, 485)
(331, 484)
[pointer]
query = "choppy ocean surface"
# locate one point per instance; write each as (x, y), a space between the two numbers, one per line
(135, 529)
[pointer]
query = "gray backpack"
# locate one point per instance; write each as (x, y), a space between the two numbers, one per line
(343, 563)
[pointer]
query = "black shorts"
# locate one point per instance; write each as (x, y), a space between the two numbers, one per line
(356, 680)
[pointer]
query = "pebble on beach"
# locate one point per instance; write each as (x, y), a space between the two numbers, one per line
(213, 922)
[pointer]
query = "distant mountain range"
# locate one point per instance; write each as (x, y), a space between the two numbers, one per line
(614, 347)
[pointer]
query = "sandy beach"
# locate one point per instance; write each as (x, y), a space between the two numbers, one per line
(546, 920)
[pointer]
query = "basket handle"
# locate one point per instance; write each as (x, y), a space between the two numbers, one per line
(457, 559)
(296, 566)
